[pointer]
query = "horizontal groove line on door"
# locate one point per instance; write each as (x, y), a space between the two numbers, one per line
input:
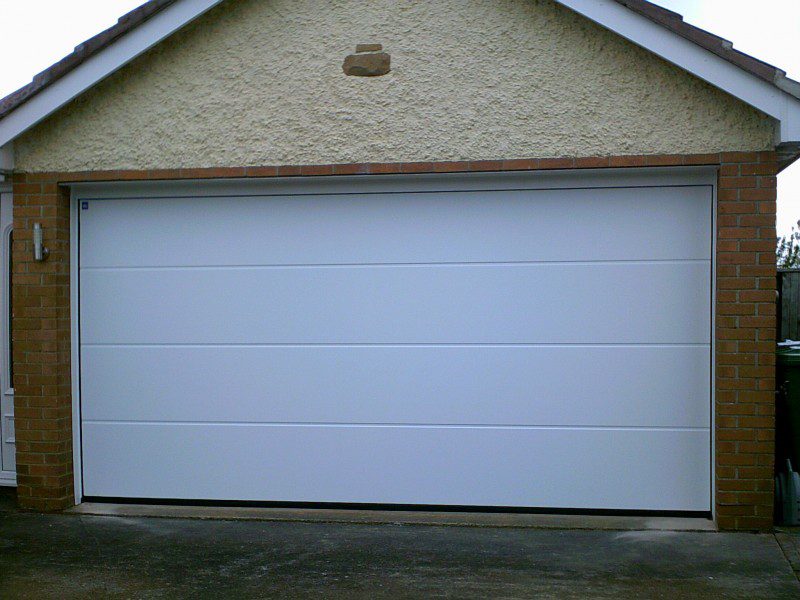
(397, 425)
(200, 196)
(403, 264)
(389, 345)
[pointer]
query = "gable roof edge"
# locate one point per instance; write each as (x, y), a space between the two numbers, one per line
(94, 60)
(81, 53)
(759, 88)
(643, 23)
(714, 43)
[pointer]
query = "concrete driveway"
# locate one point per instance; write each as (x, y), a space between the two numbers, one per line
(78, 556)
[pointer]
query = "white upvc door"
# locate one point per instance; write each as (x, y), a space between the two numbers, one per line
(7, 442)
(506, 340)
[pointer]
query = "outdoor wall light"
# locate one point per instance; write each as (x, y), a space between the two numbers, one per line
(40, 253)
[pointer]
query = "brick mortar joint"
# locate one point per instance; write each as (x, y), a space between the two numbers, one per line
(334, 169)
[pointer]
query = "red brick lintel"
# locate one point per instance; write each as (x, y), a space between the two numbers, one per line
(479, 166)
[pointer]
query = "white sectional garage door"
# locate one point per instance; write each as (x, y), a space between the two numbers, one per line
(498, 341)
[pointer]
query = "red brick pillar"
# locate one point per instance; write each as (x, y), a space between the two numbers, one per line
(41, 346)
(745, 338)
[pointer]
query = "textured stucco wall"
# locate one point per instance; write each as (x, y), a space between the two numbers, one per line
(260, 82)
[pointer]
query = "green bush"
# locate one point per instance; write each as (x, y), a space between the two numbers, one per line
(788, 251)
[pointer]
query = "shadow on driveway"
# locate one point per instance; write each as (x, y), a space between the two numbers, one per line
(69, 556)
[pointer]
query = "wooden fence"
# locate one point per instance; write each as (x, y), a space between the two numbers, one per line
(788, 304)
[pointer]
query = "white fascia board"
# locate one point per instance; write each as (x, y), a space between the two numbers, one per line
(697, 60)
(7, 157)
(101, 65)
(790, 124)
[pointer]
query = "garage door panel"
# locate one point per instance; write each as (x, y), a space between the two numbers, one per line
(489, 466)
(463, 226)
(415, 344)
(530, 303)
(545, 385)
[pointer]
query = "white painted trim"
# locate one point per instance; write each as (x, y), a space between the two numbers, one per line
(101, 65)
(608, 13)
(75, 344)
(7, 157)
(696, 60)
(712, 382)
(5, 307)
(7, 477)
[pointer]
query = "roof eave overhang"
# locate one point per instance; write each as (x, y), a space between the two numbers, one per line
(102, 64)
(7, 158)
(767, 97)
(788, 154)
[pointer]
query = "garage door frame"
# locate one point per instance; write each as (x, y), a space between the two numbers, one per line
(562, 179)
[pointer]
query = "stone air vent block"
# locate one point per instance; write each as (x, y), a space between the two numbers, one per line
(368, 61)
